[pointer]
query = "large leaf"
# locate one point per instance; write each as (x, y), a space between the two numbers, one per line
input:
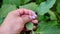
(45, 6)
(16, 2)
(43, 25)
(31, 6)
(50, 30)
(7, 8)
(42, 9)
(29, 26)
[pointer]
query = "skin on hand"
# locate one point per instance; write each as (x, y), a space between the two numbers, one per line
(15, 21)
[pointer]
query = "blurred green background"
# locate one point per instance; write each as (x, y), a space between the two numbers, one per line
(48, 12)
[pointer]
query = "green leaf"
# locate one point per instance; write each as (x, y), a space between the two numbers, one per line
(58, 7)
(42, 9)
(6, 8)
(14, 2)
(30, 6)
(45, 6)
(50, 30)
(42, 25)
(29, 26)
(52, 15)
(50, 3)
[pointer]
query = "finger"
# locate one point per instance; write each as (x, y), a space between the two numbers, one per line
(35, 21)
(34, 27)
(29, 12)
(22, 11)
(26, 18)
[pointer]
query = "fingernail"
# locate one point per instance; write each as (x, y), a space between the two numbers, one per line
(32, 17)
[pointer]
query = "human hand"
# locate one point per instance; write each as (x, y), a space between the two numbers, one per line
(15, 21)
